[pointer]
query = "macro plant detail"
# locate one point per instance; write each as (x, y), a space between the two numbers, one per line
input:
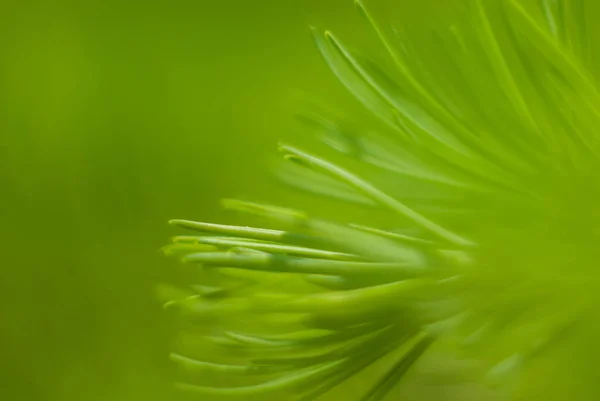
(484, 161)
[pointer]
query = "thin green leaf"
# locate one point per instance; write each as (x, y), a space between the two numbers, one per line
(376, 195)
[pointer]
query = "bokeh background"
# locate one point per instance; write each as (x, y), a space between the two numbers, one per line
(116, 116)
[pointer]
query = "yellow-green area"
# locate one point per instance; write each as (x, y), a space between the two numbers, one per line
(115, 117)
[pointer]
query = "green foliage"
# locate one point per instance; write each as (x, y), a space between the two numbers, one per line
(485, 153)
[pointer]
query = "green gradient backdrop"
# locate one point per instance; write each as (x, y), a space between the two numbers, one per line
(115, 117)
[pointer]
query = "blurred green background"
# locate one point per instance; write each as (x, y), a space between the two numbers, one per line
(115, 117)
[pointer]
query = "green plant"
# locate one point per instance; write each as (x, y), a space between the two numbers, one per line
(487, 139)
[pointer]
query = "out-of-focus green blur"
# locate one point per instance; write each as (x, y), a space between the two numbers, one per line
(115, 117)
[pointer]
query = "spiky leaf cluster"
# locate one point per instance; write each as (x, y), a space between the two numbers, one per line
(488, 115)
